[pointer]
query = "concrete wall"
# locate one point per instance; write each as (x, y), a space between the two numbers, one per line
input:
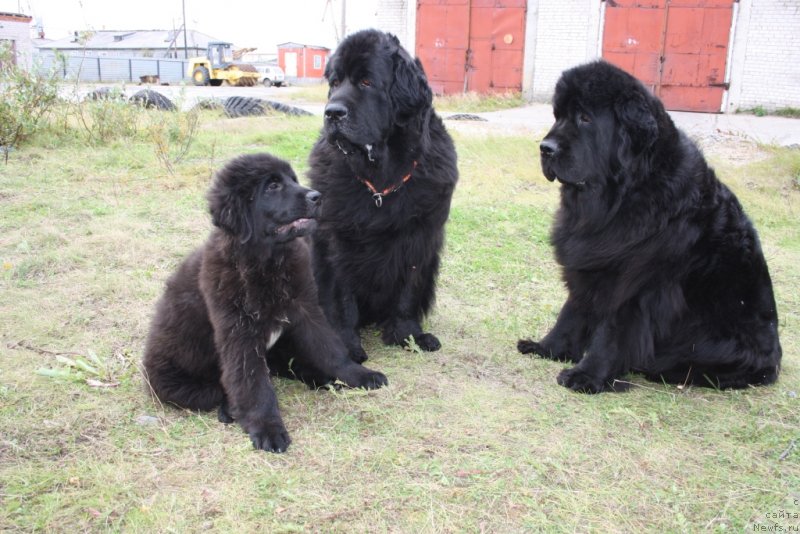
(16, 28)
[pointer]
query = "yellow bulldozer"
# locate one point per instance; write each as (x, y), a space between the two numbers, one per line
(217, 67)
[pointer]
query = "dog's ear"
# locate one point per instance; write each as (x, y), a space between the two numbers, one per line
(639, 124)
(230, 211)
(410, 92)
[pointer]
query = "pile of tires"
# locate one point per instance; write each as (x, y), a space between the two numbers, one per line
(150, 99)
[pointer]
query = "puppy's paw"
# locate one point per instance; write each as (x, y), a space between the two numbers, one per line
(357, 376)
(271, 438)
(579, 380)
(373, 380)
(528, 346)
(427, 342)
(223, 416)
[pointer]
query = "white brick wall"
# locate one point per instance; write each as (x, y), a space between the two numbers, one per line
(765, 66)
(392, 17)
(20, 34)
(561, 34)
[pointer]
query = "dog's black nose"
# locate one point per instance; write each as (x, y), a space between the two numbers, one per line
(314, 197)
(335, 112)
(548, 147)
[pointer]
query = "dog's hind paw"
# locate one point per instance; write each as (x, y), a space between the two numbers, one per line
(356, 376)
(528, 346)
(427, 342)
(374, 380)
(358, 355)
(580, 381)
(223, 416)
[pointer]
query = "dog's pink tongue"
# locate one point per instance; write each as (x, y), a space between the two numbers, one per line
(299, 223)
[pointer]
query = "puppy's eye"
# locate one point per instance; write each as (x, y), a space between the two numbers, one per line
(274, 186)
(334, 83)
(583, 118)
(365, 83)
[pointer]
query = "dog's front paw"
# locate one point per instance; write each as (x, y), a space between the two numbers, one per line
(579, 380)
(271, 437)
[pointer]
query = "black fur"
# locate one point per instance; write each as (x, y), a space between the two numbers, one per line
(664, 271)
(245, 304)
(378, 264)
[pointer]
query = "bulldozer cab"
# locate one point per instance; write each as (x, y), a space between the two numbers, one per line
(219, 54)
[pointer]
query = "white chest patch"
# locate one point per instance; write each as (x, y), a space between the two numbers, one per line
(273, 337)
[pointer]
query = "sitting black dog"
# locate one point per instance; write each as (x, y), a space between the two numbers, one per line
(245, 304)
(664, 271)
(387, 169)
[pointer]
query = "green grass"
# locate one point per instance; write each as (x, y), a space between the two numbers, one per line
(474, 102)
(760, 111)
(473, 438)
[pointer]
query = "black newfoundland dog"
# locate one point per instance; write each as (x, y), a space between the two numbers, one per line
(245, 304)
(387, 169)
(664, 271)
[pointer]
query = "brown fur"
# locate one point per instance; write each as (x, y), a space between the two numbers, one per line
(245, 304)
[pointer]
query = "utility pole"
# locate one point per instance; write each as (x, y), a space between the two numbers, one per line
(185, 44)
(344, 23)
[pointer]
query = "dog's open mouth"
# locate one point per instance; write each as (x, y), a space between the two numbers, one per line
(302, 224)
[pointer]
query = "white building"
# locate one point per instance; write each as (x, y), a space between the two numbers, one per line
(15, 32)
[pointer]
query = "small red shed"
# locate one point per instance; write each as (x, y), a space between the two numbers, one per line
(300, 61)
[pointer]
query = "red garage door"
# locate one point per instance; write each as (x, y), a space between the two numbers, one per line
(679, 48)
(471, 45)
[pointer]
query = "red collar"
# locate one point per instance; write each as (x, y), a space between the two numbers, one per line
(377, 196)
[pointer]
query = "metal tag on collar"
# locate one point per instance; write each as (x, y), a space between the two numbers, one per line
(378, 198)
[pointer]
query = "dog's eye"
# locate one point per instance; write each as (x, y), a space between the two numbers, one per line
(365, 83)
(334, 83)
(274, 186)
(583, 118)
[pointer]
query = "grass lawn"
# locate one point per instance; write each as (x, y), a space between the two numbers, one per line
(474, 438)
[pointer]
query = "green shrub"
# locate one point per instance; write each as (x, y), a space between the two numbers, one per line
(25, 98)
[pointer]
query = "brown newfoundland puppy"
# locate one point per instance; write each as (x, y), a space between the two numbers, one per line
(245, 304)
(664, 271)
(387, 169)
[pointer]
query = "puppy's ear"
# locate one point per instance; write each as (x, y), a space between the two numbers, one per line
(639, 124)
(230, 211)
(410, 92)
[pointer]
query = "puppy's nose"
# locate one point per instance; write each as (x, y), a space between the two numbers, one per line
(314, 197)
(548, 147)
(335, 112)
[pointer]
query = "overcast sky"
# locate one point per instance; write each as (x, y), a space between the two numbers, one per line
(246, 23)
